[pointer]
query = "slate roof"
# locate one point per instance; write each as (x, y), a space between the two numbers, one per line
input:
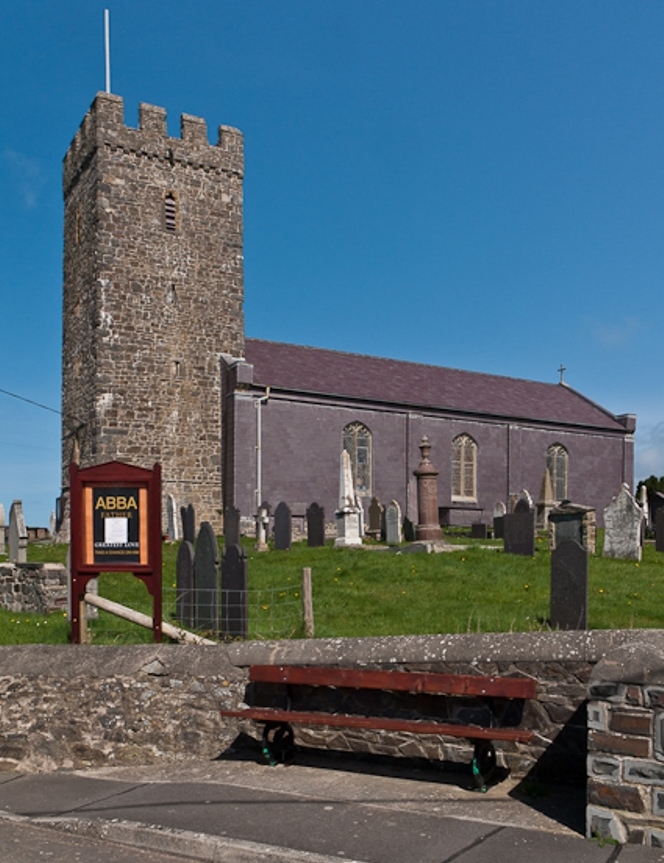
(322, 372)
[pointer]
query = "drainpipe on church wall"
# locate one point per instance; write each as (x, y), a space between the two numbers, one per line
(259, 443)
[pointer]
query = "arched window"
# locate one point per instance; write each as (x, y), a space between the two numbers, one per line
(557, 461)
(356, 440)
(464, 468)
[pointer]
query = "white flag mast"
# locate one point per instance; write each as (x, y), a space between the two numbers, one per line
(107, 48)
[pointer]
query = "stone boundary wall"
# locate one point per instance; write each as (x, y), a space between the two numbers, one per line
(72, 706)
(39, 588)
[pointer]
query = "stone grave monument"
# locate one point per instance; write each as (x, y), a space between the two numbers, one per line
(573, 521)
(623, 531)
(262, 525)
(348, 515)
(545, 503)
(283, 527)
(184, 585)
(519, 529)
(499, 511)
(188, 523)
(659, 530)
(376, 519)
(569, 586)
(171, 519)
(234, 618)
(18, 534)
(232, 525)
(315, 525)
(393, 535)
(428, 528)
(206, 579)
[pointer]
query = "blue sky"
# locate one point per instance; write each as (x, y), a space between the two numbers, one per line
(471, 184)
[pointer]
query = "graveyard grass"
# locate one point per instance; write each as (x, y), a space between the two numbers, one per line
(369, 592)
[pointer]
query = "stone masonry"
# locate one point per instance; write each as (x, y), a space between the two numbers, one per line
(153, 293)
(33, 587)
(626, 747)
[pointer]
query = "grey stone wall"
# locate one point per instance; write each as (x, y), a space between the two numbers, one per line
(71, 706)
(147, 309)
(626, 746)
(33, 587)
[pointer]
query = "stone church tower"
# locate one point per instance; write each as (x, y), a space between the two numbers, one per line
(153, 294)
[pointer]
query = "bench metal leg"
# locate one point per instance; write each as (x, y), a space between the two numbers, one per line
(278, 743)
(484, 763)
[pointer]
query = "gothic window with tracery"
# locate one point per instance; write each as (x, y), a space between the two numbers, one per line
(356, 440)
(464, 468)
(557, 461)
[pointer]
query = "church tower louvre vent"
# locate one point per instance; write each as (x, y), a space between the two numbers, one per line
(170, 213)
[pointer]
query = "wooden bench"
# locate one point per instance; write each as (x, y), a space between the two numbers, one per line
(484, 709)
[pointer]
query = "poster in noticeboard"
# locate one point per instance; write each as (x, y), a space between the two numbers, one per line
(116, 525)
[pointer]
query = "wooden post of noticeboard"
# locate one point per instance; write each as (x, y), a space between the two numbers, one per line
(115, 527)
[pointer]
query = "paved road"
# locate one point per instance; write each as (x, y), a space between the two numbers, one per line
(313, 812)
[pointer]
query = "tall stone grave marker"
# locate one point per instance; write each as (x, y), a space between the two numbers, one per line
(206, 579)
(232, 525)
(659, 530)
(188, 523)
(546, 501)
(572, 521)
(172, 518)
(315, 525)
(519, 529)
(184, 585)
(18, 534)
(569, 586)
(499, 511)
(376, 516)
(428, 528)
(623, 519)
(393, 534)
(348, 515)
(283, 527)
(234, 618)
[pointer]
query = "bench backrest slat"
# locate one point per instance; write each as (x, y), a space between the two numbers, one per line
(403, 681)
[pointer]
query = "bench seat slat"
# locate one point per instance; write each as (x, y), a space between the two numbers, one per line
(405, 681)
(298, 717)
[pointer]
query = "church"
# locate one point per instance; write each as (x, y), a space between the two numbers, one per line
(157, 368)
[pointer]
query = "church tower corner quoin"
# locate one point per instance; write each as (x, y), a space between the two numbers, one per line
(153, 293)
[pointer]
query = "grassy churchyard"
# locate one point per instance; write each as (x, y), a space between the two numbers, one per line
(366, 592)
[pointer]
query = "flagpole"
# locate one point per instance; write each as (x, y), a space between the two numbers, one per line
(107, 49)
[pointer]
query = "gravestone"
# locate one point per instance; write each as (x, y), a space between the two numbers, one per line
(478, 530)
(18, 534)
(349, 514)
(569, 586)
(659, 530)
(519, 530)
(315, 525)
(262, 525)
(376, 513)
(572, 521)
(3, 530)
(428, 528)
(622, 527)
(188, 523)
(546, 502)
(283, 527)
(232, 525)
(51, 524)
(206, 579)
(393, 535)
(499, 511)
(408, 530)
(234, 618)
(184, 585)
(172, 522)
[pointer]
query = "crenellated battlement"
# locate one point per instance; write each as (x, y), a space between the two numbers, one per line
(104, 127)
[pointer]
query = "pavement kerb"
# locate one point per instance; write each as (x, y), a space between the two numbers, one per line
(179, 843)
